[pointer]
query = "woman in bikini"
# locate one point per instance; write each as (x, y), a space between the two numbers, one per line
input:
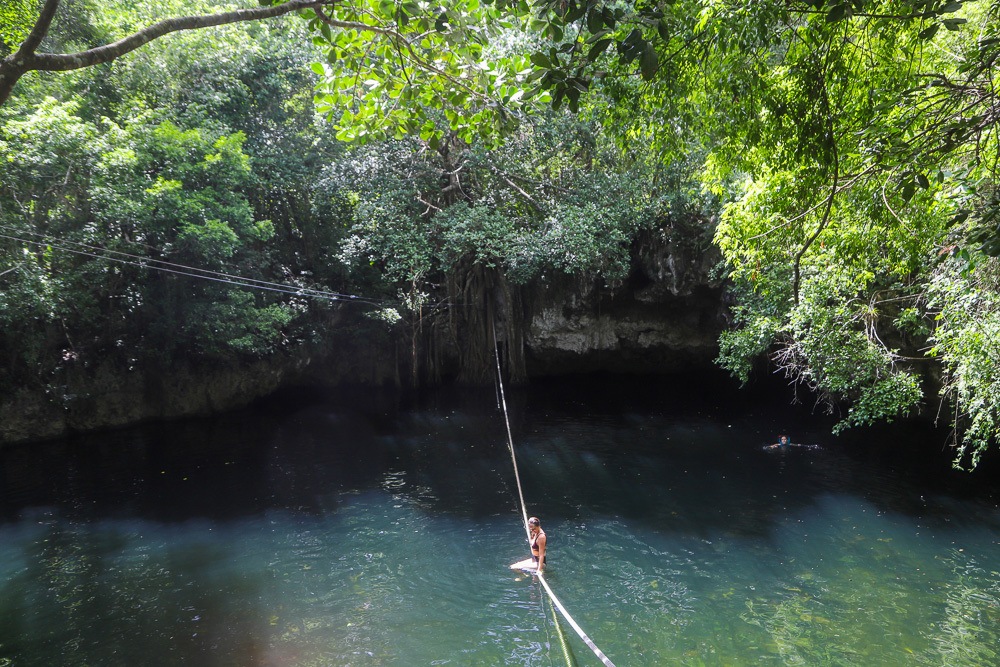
(537, 542)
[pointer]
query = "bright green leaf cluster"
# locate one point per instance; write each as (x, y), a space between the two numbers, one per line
(393, 69)
(966, 339)
(16, 19)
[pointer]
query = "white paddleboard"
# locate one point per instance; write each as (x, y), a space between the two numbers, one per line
(526, 564)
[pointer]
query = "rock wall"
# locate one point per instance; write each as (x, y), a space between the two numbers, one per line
(665, 317)
(105, 395)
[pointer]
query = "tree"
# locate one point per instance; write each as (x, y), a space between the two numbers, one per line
(845, 207)
(846, 191)
(140, 167)
(387, 63)
(853, 144)
(462, 229)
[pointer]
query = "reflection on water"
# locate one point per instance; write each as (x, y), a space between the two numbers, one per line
(327, 533)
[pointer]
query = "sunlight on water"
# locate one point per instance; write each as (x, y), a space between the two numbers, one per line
(322, 538)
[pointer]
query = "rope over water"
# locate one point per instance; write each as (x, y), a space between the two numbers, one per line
(524, 515)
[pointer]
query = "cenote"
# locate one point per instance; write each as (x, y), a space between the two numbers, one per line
(365, 529)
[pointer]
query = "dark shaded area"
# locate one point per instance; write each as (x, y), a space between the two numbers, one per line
(576, 439)
(587, 445)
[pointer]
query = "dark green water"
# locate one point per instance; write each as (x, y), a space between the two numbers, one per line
(356, 531)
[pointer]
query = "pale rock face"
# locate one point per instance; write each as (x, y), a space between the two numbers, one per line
(665, 317)
(625, 335)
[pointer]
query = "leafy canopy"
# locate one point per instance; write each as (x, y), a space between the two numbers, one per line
(854, 145)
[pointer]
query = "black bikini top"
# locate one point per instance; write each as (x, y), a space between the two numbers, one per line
(534, 540)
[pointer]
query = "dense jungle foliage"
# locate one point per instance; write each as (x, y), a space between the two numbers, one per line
(847, 152)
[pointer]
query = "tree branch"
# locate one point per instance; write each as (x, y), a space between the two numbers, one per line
(40, 29)
(25, 60)
(797, 262)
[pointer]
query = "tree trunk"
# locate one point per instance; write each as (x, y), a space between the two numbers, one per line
(486, 323)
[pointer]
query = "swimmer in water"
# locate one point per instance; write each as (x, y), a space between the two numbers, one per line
(785, 443)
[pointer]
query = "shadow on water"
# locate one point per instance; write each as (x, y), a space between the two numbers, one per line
(590, 444)
(595, 443)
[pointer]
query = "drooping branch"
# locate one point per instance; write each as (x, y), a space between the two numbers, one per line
(797, 260)
(26, 59)
(835, 154)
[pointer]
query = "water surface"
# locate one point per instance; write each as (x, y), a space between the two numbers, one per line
(358, 531)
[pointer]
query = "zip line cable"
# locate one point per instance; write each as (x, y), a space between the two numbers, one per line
(188, 271)
(150, 263)
(144, 259)
(144, 262)
(524, 513)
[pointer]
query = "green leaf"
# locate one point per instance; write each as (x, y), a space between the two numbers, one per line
(907, 190)
(541, 60)
(609, 18)
(598, 48)
(576, 12)
(961, 216)
(839, 13)
(664, 30)
(574, 99)
(597, 36)
(595, 20)
(929, 31)
(633, 38)
(650, 62)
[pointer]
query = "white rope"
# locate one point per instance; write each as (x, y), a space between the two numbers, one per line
(524, 513)
(569, 619)
(510, 438)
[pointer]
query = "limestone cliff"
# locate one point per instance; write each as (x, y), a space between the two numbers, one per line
(664, 317)
(104, 394)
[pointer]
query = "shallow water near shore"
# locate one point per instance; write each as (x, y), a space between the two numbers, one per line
(335, 531)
